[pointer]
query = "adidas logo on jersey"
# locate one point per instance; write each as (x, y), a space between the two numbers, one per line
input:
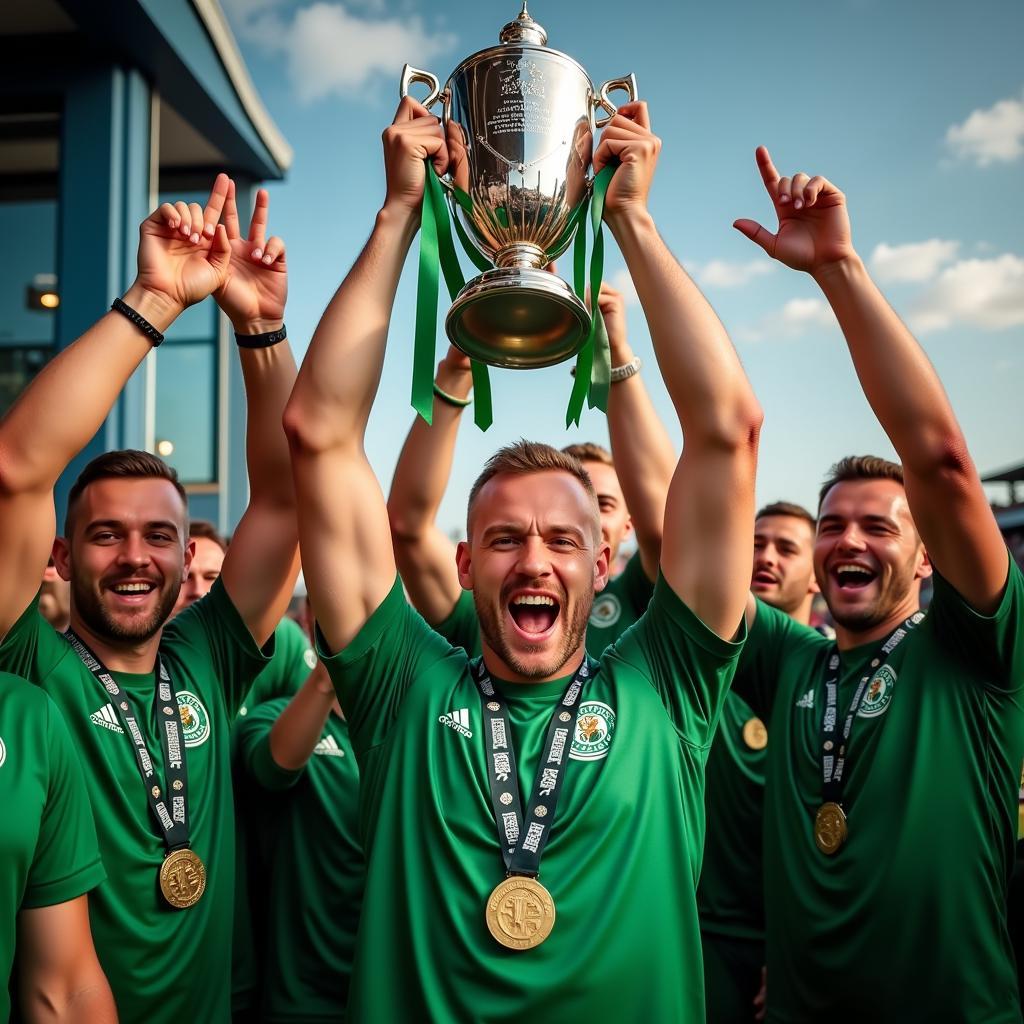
(457, 720)
(328, 747)
(107, 718)
(807, 700)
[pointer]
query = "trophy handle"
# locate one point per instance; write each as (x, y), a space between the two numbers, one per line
(626, 85)
(411, 76)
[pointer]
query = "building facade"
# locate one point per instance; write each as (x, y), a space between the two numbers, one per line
(106, 109)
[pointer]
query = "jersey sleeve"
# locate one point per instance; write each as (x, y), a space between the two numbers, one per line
(993, 643)
(32, 648)
(212, 627)
(688, 665)
(771, 639)
(289, 667)
(252, 735)
(462, 626)
(374, 672)
(67, 858)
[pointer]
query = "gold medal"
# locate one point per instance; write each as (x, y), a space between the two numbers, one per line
(520, 913)
(182, 878)
(829, 828)
(755, 735)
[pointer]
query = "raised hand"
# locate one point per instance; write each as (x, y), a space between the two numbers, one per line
(183, 253)
(414, 135)
(613, 309)
(255, 290)
(814, 227)
(628, 139)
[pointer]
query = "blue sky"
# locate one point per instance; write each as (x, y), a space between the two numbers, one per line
(916, 110)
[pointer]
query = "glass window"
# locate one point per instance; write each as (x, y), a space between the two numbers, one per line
(186, 404)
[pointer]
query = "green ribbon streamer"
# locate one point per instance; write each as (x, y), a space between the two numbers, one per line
(437, 247)
(425, 340)
(593, 363)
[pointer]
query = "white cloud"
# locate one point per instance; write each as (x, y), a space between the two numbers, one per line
(722, 274)
(795, 318)
(984, 293)
(995, 135)
(330, 50)
(622, 282)
(914, 261)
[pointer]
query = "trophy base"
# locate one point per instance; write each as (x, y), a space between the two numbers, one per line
(518, 318)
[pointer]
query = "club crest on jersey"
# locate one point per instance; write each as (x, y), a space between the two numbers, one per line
(309, 657)
(195, 721)
(3, 751)
(605, 611)
(879, 693)
(593, 736)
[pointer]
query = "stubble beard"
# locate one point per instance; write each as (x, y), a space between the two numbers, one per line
(91, 610)
(574, 634)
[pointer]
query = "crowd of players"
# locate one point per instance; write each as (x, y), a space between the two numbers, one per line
(497, 780)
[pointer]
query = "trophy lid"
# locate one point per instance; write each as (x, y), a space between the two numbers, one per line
(524, 30)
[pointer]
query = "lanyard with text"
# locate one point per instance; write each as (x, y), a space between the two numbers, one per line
(180, 873)
(520, 911)
(830, 824)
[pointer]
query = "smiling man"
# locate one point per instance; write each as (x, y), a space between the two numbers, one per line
(533, 819)
(894, 762)
(150, 705)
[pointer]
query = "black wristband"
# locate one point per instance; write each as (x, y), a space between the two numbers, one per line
(139, 320)
(261, 340)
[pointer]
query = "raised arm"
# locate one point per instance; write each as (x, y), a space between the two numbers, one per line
(183, 257)
(707, 545)
(262, 562)
(343, 525)
(641, 449)
(424, 553)
(945, 494)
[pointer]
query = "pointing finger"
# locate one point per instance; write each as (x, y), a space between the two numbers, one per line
(769, 175)
(214, 205)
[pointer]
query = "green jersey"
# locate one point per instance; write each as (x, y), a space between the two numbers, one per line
(615, 609)
(625, 846)
(308, 822)
(162, 964)
(48, 840)
(907, 921)
(292, 662)
(618, 606)
(731, 893)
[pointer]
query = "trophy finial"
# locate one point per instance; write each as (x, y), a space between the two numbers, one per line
(524, 30)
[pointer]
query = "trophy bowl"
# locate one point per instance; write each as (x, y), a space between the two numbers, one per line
(519, 121)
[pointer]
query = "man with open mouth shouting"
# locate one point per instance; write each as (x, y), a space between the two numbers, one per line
(533, 818)
(894, 762)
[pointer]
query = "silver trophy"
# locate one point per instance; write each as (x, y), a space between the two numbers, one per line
(519, 120)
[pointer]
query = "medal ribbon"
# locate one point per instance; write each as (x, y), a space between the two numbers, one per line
(173, 822)
(833, 761)
(522, 840)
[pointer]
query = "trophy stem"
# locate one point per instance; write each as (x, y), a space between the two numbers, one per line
(521, 254)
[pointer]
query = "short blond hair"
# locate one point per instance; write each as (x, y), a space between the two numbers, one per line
(523, 458)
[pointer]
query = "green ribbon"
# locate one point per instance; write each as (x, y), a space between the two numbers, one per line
(594, 361)
(437, 247)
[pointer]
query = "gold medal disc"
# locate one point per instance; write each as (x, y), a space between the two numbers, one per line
(829, 828)
(755, 735)
(520, 913)
(182, 879)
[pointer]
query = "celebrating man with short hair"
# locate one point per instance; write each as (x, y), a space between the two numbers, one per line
(894, 762)
(470, 767)
(150, 708)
